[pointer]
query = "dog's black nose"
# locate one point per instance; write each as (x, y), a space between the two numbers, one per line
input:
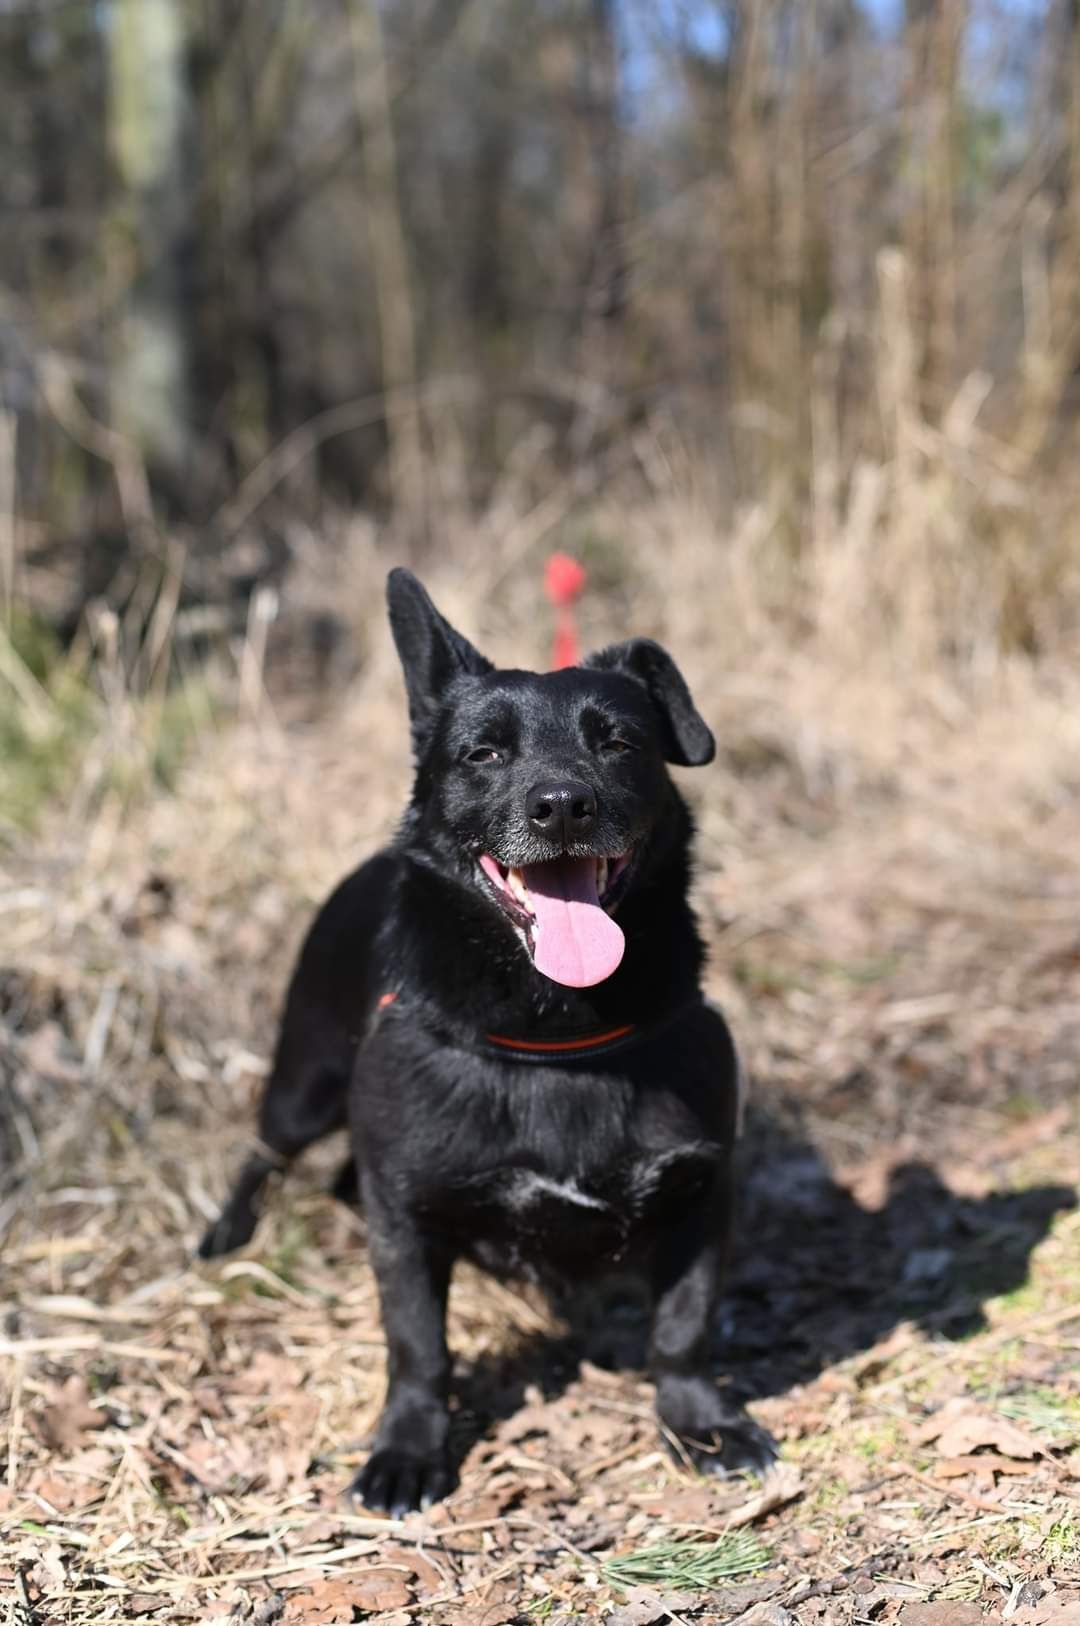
(563, 810)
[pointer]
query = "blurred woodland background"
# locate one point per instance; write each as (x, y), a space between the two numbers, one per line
(809, 266)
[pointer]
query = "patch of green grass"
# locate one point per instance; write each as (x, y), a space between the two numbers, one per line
(601, 551)
(1004, 1541)
(812, 1447)
(1062, 1540)
(296, 1240)
(157, 739)
(184, 714)
(687, 1563)
(825, 1496)
(764, 978)
(236, 1289)
(994, 1368)
(1053, 1415)
(877, 1440)
(965, 1589)
(175, 1510)
(1027, 1299)
(1021, 1106)
(47, 717)
(54, 723)
(863, 973)
(31, 643)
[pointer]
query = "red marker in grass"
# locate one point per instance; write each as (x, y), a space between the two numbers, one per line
(563, 580)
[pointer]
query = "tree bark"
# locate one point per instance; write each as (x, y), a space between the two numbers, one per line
(147, 139)
(390, 268)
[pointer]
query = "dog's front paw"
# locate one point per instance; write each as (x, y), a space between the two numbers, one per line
(398, 1482)
(710, 1432)
(232, 1230)
(737, 1446)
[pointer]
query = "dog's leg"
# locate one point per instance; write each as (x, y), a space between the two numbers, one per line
(236, 1223)
(300, 1105)
(345, 1187)
(711, 1430)
(409, 1466)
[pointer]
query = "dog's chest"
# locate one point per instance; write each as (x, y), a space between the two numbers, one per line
(572, 1223)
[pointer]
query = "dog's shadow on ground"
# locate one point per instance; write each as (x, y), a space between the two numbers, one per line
(817, 1277)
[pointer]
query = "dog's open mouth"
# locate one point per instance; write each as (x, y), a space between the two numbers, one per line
(562, 908)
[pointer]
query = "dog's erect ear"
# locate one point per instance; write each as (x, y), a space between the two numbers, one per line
(432, 652)
(687, 739)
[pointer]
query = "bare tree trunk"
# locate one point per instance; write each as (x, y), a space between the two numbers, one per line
(147, 129)
(789, 361)
(603, 286)
(606, 280)
(935, 30)
(749, 248)
(390, 268)
(1051, 253)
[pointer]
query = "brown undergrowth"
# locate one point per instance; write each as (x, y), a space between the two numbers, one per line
(889, 882)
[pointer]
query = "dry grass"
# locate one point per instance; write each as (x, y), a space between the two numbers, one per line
(889, 880)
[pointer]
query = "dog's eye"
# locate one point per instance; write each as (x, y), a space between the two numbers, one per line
(484, 755)
(616, 747)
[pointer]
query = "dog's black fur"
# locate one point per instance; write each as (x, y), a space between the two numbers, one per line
(560, 1169)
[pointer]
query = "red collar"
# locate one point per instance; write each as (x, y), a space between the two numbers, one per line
(562, 1047)
(582, 1044)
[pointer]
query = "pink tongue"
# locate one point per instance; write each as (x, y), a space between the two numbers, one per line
(576, 942)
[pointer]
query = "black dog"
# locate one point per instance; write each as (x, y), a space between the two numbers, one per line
(527, 1082)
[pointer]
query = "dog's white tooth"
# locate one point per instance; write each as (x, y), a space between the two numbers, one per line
(517, 885)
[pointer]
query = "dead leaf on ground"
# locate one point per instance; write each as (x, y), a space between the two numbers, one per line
(827, 1611)
(326, 1603)
(736, 1598)
(64, 1423)
(483, 1508)
(382, 1590)
(765, 1614)
(48, 1568)
(1046, 1126)
(76, 1481)
(953, 1467)
(954, 1612)
(335, 1600)
(871, 1362)
(219, 1463)
(480, 1614)
(698, 1507)
(985, 1468)
(64, 1494)
(285, 1468)
(47, 1052)
(961, 1428)
(425, 1575)
(1052, 1611)
(782, 1484)
(643, 1606)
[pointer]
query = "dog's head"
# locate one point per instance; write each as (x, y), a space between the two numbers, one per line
(544, 791)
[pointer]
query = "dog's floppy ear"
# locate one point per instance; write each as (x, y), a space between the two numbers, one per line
(688, 741)
(432, 651)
